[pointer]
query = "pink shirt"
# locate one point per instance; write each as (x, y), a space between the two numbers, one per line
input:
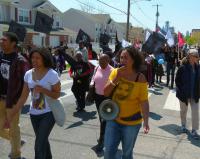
(100, 78)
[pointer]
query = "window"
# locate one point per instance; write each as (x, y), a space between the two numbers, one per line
(57, 24)
(23, 16)
(1, 13)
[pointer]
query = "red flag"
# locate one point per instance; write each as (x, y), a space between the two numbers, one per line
(181, 40)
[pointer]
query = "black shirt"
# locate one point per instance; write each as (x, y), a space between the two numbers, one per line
(5, 63)
(171, 57)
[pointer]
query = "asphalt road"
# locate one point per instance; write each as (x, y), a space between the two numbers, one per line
(80, 133)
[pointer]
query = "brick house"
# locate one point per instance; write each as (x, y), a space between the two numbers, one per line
(24, 12)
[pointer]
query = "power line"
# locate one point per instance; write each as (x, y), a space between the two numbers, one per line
(148, 17)
(122, 12)
(89, 6)
(133, 17)
(99, 10)
(112, 7)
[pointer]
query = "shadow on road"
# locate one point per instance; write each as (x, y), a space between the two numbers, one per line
(85, 116)
(62, 94)
(172, 129)
(176, 130)
(79, 123)
(25, 109)
(155, 116)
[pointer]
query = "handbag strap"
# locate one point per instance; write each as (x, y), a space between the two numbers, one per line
(95, 71)
(34, 76)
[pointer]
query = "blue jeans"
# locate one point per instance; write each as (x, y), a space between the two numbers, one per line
(42, 125)
(115, 133)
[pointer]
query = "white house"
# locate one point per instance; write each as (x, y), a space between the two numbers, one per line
(92, 24)
(24, 12)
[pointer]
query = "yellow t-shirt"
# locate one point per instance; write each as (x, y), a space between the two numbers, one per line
(128, 95)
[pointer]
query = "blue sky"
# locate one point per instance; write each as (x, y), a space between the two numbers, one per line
(183, 15)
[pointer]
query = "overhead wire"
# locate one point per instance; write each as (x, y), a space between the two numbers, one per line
(123, 13)
(99, 10)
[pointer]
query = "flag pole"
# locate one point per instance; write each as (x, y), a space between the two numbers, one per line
(178, 52)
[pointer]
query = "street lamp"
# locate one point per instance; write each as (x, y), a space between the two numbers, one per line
(128, 16)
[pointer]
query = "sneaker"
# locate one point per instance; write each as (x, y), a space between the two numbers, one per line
(183, 129)
(99, 148)
(195, 135)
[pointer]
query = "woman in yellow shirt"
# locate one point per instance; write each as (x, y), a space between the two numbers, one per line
(129, 90)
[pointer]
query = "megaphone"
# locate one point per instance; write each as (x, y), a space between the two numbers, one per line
(108, 109)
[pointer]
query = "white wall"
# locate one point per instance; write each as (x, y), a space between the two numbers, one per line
(37, 40)
(76, 21)
(54, 41)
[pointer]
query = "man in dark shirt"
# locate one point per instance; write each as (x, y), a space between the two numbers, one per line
(171, 58)
(12, 70)
(80, 72)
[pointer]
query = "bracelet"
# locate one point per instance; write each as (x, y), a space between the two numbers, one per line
(112, 83)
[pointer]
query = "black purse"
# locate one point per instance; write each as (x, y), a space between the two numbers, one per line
(90, 97)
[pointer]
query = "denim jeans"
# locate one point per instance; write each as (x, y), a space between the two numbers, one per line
(115, 133)
(42, 125)
(79, 94)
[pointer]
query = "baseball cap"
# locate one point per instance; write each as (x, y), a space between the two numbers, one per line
(79, 52)
(193, 52)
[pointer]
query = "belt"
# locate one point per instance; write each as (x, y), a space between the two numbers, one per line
(134, 117)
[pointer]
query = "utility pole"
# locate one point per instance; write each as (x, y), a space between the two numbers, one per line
(128, 17)
(157, 15)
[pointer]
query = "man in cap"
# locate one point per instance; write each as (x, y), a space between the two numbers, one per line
(80, 75)
(12, 69)
(188, 90)
(80, 72)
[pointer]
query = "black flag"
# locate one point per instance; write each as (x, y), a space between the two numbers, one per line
(104, 39)
(43, 23)
(154, 43)
(82, 36)
(18, 29)
(118, 44)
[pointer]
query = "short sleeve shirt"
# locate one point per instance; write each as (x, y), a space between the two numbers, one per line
(129, 95)
(39, 104)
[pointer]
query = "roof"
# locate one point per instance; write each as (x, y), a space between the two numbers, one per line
(101, 17)
(48, 4)
(195, 30)
(97, 18)
(39, 4)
